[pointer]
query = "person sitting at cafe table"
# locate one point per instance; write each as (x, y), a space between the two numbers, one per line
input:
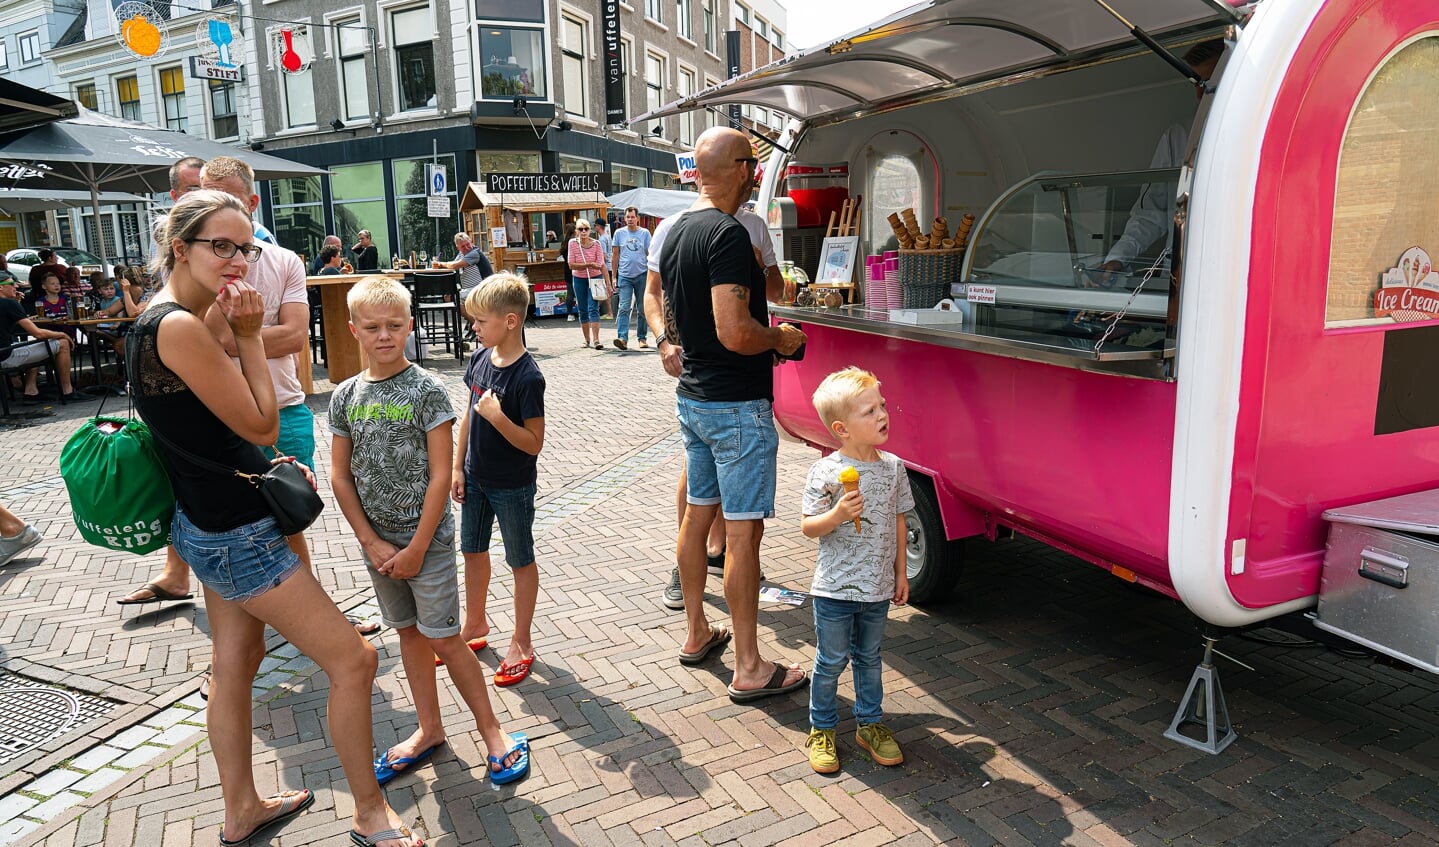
(15, 319)
(73, 283)
(329, 261)
(108, 304)
(51, 302)
(330, 241)
(48, 262)
(474, 267)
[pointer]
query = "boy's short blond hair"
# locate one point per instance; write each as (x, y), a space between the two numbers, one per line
(378, 291)
(834, 396)
(503, 293)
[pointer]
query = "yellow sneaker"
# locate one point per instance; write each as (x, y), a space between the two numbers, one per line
(823, 754)
(878, 741)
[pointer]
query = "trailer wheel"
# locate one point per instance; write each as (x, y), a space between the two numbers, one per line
(933, 562)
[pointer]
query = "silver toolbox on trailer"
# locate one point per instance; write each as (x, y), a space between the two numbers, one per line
(1380, 585)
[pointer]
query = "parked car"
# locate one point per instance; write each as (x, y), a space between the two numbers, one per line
(22, 259)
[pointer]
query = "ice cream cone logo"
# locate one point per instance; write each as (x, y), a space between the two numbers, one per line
(849, 478)
(1409, 291)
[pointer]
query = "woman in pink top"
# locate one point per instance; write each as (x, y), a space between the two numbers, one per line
(587, 260)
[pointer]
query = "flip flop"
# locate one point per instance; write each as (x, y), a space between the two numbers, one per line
(385, 769)
(157, 595)
(513, 674)
(774, 686)
(291, 803)
(384, 835)
(517, 771)
(475, 645)
(719, 637)
(364, 627)
(205, 687)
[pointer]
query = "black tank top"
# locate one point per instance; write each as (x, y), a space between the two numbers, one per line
(213, 502)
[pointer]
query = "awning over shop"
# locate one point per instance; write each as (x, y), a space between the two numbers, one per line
(476, 198)
(947, 44)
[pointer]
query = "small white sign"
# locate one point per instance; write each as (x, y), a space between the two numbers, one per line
(980, 293)
(439, 207)
(685, 162)
(498, 237)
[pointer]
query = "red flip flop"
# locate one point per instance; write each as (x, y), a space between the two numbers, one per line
(513, 674)
(475, 645)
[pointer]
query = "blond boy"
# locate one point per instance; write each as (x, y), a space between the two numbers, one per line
(860, 568)
(501, 435)
(391, 449)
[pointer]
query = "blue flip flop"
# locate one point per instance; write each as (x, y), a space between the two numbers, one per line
(386, 770)
(517, 771)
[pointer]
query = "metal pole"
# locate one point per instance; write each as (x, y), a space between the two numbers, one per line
(99, 232)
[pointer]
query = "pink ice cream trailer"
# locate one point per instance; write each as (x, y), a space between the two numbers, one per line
(1194, 315)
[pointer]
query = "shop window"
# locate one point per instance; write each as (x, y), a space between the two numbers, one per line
(351, 40)
(299, 209)
(529, 11)
(29, 48)
(414, 51)
(573, 42)
(1387, 180)
(420, 233)
(711, 30)
(224, 121)
(509, 163)
(357, 194)
(127, 91)
(664, 179)
(172, 97)
(579, 165)
(514, 62)
(624, 177)
(85, 96)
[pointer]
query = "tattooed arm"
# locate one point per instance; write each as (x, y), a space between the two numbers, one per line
(740, 333)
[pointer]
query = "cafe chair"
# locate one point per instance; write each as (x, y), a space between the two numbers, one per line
(435, 306)
(317, 327)
(8, 370)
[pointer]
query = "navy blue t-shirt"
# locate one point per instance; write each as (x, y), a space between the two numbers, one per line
(490, 459)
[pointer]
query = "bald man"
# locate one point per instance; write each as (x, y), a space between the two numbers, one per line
(715, 292)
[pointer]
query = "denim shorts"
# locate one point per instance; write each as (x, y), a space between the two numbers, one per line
(297, 434)
(429, 600)
(730, 453)
(514, 508)
(238, 564)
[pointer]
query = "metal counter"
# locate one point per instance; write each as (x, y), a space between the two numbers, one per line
(1015, 344)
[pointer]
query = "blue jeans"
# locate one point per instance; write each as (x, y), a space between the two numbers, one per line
(847, 631)
(731, 449)
(514, 508)
(632, 293)
(585, 306)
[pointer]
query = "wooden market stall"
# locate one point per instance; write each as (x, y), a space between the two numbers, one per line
(483, 212)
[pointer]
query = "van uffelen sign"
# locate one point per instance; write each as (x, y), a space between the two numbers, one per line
(1409, 291)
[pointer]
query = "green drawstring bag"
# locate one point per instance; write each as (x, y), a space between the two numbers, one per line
(119, 491)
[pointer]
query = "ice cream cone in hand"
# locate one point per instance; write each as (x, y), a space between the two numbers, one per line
(849, 478)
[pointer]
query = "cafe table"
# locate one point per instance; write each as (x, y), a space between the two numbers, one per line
(88, 324)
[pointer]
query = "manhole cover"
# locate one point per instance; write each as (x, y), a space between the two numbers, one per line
(32, 713)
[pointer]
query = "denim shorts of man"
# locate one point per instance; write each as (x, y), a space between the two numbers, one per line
(386, 423)
(631, 259)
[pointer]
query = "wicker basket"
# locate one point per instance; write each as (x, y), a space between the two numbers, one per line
(925, 275)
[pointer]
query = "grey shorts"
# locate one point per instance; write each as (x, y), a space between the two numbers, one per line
(430, 601)
(32, 353)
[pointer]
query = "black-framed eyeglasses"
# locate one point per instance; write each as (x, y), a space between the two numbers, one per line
(582, 229)
(226, 249)
(749, 160)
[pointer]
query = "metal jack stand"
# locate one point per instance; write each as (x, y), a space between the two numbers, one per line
(1203, 705)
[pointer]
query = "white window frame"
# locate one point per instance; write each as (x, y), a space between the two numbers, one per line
(657, 7)
(547, 57)
(120, 104)
(585, 52)
(710, 14)
(742, 13)
(352, 15)
(22, 39)
(664, 82)
(385, 38)
(4, 52)
(684, 20)
(687, 125)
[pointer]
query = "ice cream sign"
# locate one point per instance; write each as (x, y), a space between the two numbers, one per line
(1409, 291)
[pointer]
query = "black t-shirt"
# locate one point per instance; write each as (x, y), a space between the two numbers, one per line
(707, 249)
(490, 459)
(367, 259)
(11, 314)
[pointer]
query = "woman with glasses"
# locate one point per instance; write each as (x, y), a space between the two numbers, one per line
(201, 408)
(587, 261)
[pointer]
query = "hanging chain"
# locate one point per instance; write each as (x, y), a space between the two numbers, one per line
(1115, 317)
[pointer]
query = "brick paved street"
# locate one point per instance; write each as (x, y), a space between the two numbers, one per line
(1031, 706)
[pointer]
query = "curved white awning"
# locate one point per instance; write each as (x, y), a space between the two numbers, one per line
(944, 44)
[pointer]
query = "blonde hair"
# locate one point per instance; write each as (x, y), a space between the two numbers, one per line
(463, 236)
(503, 293)
(224, 167)
(834, 396)
(379, 292)
(187, 217)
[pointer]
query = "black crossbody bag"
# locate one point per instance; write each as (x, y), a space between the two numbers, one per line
(291, 499)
